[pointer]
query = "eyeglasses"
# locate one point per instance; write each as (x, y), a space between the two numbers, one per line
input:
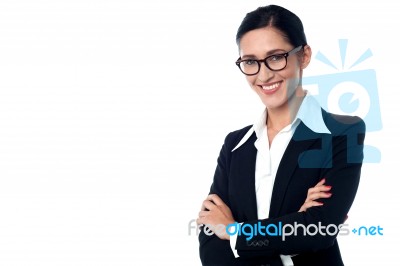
(274, 62)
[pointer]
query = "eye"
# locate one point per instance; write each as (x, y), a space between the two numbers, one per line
(250, 62)
(276, 58)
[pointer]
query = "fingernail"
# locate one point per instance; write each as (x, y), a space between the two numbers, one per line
(329, 187)
(329, 194)
(320, 203)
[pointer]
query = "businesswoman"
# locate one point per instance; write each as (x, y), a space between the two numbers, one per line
(297, 165)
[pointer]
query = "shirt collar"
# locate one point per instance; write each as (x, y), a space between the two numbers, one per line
(315, 122)
(310, 113)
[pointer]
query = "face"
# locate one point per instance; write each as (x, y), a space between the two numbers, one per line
(275, 88)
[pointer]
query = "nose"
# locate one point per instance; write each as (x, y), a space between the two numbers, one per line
(265, 73)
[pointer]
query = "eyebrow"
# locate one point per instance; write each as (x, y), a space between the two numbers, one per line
(274, 51)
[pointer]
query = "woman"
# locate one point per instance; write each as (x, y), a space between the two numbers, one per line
(297, 166)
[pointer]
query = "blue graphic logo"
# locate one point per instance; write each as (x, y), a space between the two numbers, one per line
(368, 231)
(350, 93)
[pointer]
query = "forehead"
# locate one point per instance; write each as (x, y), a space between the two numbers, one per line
(261, 41)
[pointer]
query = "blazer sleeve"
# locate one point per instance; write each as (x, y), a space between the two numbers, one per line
(343, 174)
(214, 251)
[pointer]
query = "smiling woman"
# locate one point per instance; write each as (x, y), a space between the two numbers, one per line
(297, 165)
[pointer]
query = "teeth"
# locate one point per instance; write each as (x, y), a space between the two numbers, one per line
(271, 87)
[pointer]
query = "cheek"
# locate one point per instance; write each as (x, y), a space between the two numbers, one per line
(251, 79)
(290, 74)
(292, 78)
(293, 69)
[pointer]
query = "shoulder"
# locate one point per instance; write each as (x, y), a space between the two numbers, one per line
(340, 124)
(234, 137)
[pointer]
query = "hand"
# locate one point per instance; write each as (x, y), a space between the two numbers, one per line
(314, 193)
(215, 212)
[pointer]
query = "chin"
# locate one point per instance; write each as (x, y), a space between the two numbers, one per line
(273, 101)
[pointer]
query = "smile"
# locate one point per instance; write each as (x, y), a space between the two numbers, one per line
(271, 88)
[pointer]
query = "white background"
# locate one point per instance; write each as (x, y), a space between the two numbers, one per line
(112, 114)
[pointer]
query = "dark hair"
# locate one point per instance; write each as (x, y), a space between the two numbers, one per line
(274, 16)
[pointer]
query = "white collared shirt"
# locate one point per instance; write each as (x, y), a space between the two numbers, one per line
(269, 157)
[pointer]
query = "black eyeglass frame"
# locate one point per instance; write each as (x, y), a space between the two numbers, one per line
(285, 55)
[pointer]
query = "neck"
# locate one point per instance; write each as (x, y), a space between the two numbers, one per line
(282, 116)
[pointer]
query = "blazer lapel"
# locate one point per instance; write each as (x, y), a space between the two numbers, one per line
(302, 139)
(243, 167)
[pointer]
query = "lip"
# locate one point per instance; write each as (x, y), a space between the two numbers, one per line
(271, 91)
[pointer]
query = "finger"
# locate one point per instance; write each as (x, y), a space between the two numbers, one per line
(216, 199)
(203, 206)
(201, 221)
(310, 204)
(204, 213)
(321, 182)
(318, 195)
(318, 189)
(208, 205)
(313, 203)
(324, 188)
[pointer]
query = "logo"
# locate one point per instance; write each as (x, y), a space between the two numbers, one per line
(349, 92)
(285, 230)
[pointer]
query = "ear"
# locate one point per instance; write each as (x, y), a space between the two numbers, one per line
(306, 58)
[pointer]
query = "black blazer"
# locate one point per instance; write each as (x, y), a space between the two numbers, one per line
(308, 158)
